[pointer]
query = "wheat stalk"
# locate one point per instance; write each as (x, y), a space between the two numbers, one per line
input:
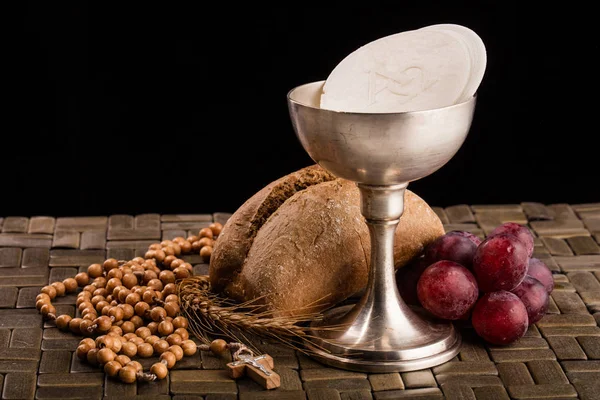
(211, 315)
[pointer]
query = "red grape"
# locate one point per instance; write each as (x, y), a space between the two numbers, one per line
(407, 278)
(500, 317)
(520, 231)
(500, 263)
(447, 290)
(475, 239)
(540, 271)
(451, 247)
(534, 296)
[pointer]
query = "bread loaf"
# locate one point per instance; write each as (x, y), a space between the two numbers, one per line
(301, 243)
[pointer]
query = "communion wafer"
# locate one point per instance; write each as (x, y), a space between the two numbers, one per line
(477, 52)
(414, 70)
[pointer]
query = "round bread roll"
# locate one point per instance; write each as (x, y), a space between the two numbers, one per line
(301, 244)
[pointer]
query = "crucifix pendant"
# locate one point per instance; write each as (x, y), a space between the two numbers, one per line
(259, 368)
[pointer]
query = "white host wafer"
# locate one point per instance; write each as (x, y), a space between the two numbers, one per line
(408, 71)
(477, 52)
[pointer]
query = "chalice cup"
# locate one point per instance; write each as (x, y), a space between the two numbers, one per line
(381, 153)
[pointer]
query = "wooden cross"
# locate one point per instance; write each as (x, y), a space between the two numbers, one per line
(259, 368)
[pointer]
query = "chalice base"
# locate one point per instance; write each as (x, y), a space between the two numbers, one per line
(439, 343)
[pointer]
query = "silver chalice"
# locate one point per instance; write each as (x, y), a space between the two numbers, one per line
(382, 153)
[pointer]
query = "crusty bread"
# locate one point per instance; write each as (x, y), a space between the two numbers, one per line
(302, 242)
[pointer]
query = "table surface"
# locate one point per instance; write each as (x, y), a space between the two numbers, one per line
(558, 358)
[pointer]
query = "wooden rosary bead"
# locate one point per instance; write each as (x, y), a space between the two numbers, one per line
(137, 341)
(123, 293)
(218, 346)
(128, 310)
(180, 322)
(189, 347)
(216, 228)
(186, 247)
(60, 288)
(62, 322)
(128, 327)
(168, 359)
(92, 356)
(174, 339)
(112, 368)
(129, 280)
(117, 344)
(97, 299)
(159, 369)
(160, 346)
(109, 264)
(50, 291)
(115, 273)
(176, 249)
(48, 311)
(183, 333)
(205, 241)
(153, 326)
(100, 292)
(86, 327)
(123, 359)
(170, 287)
(70, 285)
(133, 299)
(177, 350)
(105, 355)
(103, 324)
(99, 282)
(40, 303)
(88, 341)
(145, 350)
(155, 284)
(165, 328)
(168, 260)
(129, 336)
(158, 314)
(152, 339)
(171, 297)
(129, 349)
(181, 273)
(136, 365)
(206, 232)
(127, 374)
(206, 252)
(177, 263)
(115, 330)
(103, 341)
(166, 277)
(89, 288)
(143, 332)
(169, 251)
(172, 309)
(137, 321)
(116, 313)
(74, 325)
(82, 279)
(95, 270)
(196, 246)
(82, 351)
(141, 308)
(43, 296)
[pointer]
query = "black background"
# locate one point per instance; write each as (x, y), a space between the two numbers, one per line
(133, 107)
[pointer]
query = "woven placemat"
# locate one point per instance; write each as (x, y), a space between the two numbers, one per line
(558, 358)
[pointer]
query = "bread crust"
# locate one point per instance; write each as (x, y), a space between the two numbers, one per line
(313, 249)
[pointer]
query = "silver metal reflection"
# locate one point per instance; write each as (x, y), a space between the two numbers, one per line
(382, 153)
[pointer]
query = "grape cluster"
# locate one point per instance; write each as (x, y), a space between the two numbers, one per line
(496, 283)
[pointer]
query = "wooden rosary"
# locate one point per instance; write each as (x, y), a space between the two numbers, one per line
(131, 309)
